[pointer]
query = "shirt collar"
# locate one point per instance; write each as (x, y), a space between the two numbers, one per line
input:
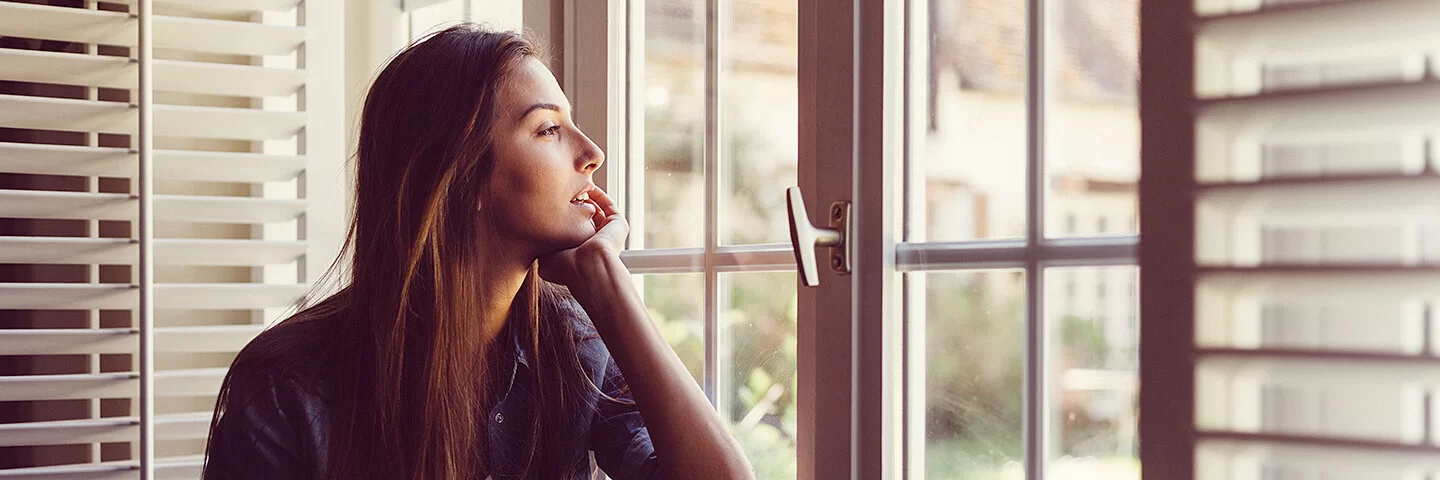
(519, 349)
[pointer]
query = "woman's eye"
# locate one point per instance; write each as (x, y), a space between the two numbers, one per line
(553, 130)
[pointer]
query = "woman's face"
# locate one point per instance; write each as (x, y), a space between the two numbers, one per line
(542, 164)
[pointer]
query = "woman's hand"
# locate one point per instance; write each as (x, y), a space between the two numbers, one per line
(564, 267)
(690, 439)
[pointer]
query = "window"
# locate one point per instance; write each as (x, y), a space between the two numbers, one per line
(1046, 142)
(999, 148)
(711, 143)
(423, 16)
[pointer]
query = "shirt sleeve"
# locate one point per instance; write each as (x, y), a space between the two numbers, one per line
(267, 429)
(617, 434)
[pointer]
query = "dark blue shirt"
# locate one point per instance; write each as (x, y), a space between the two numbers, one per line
(275, 421)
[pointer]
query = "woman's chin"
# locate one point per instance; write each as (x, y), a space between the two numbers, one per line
(569, 241)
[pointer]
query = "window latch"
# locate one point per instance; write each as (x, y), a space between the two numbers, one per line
(805, 237)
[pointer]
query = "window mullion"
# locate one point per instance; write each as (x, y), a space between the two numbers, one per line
(1033, 434)
(715, 369)
(1073, 252)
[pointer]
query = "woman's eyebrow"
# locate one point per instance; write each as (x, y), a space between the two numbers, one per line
(539, 106)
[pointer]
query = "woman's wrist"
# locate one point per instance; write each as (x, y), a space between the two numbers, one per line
(601, 273)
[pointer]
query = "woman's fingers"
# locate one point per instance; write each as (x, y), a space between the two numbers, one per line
(598, 218)
(603, 200)
(614, 229)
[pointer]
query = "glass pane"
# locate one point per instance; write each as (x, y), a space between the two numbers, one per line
(758, 315)
(668, 140)
(759, 128)
(974, 344)
(677, 304)
(1092, 318)
(968, 154)
(1092, 118)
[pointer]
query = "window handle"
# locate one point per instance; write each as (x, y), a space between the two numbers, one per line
(805, 237)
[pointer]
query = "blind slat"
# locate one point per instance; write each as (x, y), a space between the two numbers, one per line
(187, 466)
(21, 111)
(111, 429)
(229, 6)
(171, 75)
(169, 251)
(73, 341)
(1335, 28)
(1315, 283)
(1315, 397)
(84, 471)
(1382, 109)
(179, 33)
(118, 206)
(42, 159)
(1358, 460)
(200, 381)
(194, 296)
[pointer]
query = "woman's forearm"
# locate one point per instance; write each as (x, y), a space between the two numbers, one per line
(690, 438)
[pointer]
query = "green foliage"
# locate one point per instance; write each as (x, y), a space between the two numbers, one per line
(1084, 341)
(975, 337)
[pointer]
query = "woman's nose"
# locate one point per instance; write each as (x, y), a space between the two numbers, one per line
(591, 157)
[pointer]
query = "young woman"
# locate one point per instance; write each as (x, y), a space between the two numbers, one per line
(483, 273)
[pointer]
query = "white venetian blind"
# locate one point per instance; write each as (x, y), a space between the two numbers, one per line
(240, 221)
(1317, 243)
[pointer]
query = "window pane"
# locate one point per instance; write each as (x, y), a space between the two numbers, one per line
(1092, 118)
(677, 304)
(435, 17)
(669, 157)
(504, 15)
(974, 372)
(969, 139)
(759, 130)
(1092, 320)
(758, 314)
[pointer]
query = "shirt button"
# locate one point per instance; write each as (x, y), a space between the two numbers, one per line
(499, 418)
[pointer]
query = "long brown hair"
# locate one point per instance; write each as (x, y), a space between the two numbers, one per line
(415, 380)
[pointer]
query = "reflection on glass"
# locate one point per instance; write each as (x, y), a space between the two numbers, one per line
(1092, 117)
(974, 371)
(671, 91)
(1093, 371)
(969, 141)
(677, 305)
(758, 312)
(759, 129)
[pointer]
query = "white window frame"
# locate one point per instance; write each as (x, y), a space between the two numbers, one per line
(857, 413)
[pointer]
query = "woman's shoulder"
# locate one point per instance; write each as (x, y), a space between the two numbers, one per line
(272, 414)
(591, 349)
(295, 352)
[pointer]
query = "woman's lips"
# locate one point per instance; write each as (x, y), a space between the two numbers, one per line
(588, 205)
